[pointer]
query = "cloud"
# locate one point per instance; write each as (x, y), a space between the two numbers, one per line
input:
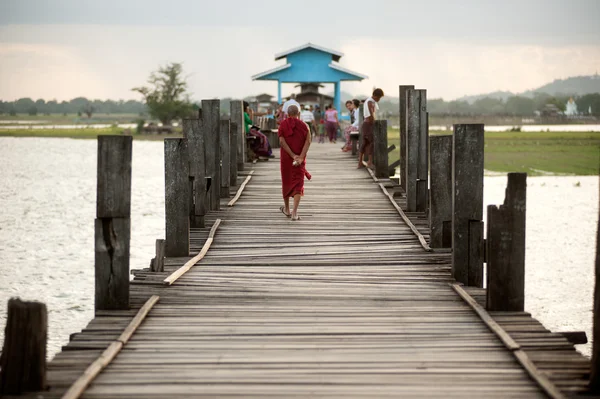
(98, 61)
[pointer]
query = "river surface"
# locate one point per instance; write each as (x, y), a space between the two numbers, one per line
(47, 211)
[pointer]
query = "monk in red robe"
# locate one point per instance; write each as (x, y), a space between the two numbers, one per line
(294, 137)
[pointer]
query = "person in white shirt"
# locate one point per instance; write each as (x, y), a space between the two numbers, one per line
(307, 117)
(370, 108)
(352, 107)
(291, 101)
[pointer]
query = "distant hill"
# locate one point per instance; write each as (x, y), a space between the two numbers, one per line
(573, 86)
(499, 95)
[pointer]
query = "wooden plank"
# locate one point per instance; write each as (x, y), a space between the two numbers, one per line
(549, 388)
(189, 264)
(595, 372)
(79, 386)
(240, 190)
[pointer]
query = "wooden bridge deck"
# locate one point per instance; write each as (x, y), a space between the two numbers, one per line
(344, 303)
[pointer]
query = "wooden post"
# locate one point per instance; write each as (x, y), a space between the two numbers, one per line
(403, 90)
(237, 117)
(595, 372)
(361, 120)
(467, 204)
(440, 216)
(112, 224)
(224, 138)
(23, 359)
(177, 194)
(158, 263)
(210, 123)
(194, 137)
(380, 149)
(417, 162)
(233, 163)
(506, 248)
(354, 138)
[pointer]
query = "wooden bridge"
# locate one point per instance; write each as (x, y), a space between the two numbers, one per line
(349, 302)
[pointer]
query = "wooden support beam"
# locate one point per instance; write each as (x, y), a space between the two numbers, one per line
(112, 225)
(361, 120)
(177, 194)
(194, 136)
(210, 124)
(354, 139)
(158, 263)
(224, 141)
(392, 148)
(236, 109)
(380, 148)
(506, 248)
(440, 215)
(417, 151)
(403, 122)
(233, 163)
(595, 373)
(23, 358)
(467, 204)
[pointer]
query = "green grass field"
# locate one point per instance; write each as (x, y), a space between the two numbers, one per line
(83, 133)
(536, 153)
(69, 119)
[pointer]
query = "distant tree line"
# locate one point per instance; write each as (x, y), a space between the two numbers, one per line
(79, 105)
(512, 106)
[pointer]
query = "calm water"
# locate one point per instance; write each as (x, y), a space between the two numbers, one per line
(47, 209)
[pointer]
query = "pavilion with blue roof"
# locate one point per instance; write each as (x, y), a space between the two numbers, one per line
(310, 64)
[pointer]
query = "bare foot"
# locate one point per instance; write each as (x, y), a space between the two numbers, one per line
(360, 166)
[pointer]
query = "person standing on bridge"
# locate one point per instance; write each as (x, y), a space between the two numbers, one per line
(370, 108)
(294, 138)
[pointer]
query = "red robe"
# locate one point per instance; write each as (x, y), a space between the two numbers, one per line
(294, 131)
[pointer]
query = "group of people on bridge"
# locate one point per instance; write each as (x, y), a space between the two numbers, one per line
(295, 132)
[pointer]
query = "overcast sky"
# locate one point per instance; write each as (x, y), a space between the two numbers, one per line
(101, 49)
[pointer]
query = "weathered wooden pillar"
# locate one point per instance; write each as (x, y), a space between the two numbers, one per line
(233, 143)
(194, 137)
(440, 215)
(158, 263)
(361, 120)
(210, 124)
(177, 194)
(237, 117)
(506, 248)
(417, 151)
(113, 225)
(595, 372)
(23, 359)
(467, 204)
(380, 149)
(224, 138)
(403, 90)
